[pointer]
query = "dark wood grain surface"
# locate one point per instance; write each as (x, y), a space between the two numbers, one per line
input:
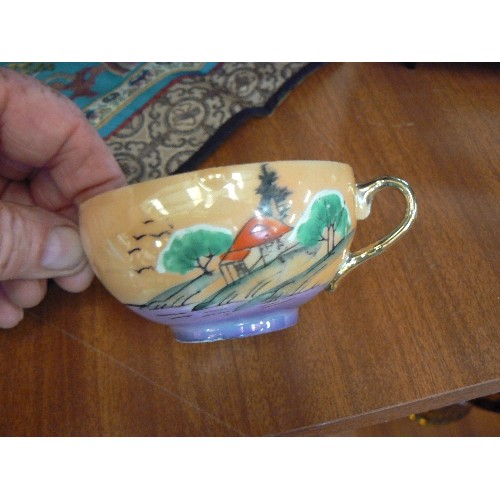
(414, 329)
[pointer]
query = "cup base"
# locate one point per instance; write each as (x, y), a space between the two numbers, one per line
(241, 327)
(231, 320)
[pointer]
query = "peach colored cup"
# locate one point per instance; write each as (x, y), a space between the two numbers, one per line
(232, 251)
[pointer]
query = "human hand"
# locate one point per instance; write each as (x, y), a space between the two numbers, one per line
(51, 160)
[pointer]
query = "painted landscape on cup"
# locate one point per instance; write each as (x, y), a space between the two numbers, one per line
(266, 261)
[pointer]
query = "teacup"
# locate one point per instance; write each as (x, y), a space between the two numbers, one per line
(232, 251)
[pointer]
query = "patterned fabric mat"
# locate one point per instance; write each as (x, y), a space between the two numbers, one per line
(164, 118)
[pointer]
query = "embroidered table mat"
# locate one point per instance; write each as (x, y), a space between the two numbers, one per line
(164, 118)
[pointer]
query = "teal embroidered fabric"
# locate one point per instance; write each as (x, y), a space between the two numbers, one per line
(165, 117)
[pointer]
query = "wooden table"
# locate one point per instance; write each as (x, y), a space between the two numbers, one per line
(414, 329)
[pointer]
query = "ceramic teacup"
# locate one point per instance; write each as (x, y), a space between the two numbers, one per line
(232, 251)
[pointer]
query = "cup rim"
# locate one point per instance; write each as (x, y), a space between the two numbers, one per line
(180, 177)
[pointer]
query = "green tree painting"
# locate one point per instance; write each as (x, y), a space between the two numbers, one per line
(327, 220)
(193, 248)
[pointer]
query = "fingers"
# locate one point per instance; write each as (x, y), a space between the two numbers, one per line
(10, 313)
(25, 293)
(51, 159)
(42, 129)
(78, 282)
(46, 193)
(16, 295)
(37, 244)
(17, 192)
(14, 170)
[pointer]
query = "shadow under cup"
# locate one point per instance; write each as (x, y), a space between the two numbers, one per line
(232, 251)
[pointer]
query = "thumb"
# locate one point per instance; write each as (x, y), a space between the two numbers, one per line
(36, 243)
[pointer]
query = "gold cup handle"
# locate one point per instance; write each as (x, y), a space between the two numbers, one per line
(364, 197)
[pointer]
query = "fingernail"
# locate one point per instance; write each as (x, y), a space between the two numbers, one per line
(63, 249)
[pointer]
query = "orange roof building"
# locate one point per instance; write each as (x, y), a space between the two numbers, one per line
(257, 244)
